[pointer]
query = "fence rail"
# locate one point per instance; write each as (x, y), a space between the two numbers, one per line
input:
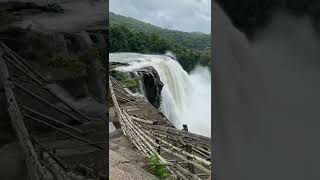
(45, 123)
(185, 155)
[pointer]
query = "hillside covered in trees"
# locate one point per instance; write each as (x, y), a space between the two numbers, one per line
(196, 40)
(131, 35)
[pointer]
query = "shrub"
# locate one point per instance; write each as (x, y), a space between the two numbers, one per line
(156, 168)
(72, 65)
(125, 80)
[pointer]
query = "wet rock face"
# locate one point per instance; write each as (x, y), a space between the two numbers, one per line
(152, 85)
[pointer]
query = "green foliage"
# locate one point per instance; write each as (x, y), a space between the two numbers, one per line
(157, 169)
(125, 80)
(188, 40)
(131, 35)
(72, 65)
(122, 39)
(89, 54)
(30, 45)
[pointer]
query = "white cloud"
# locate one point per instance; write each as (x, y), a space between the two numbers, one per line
(183, 15)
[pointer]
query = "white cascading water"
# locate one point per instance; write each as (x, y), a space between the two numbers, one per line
(185, 98)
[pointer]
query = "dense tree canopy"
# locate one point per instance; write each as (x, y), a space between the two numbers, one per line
(195, 40)
(122, 39)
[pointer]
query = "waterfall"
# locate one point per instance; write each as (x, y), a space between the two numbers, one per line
(185, 98)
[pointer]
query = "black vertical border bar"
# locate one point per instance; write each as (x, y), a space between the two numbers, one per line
(213, 104)
(106, 64)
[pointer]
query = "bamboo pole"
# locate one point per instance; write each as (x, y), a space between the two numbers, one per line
(60, 174)
(30, 83)
(132, 132)
(130, 98)
(144, 140)
(149, 145)
(125, 129)
(23, 71)
(79, 145)
(118, 84)
(176, 171)
(183, 133)
(48, 103)
(65, 132)
(181, 140)
(127, 101)
(116, 105)
(180, 156)
(162, 160)
(27, 67)
(52, 119)
(205, 170)
(23, 61)
(181, 150)
(49, 151)
(145, 150)
(143, 120)
(177, 137)
(69, 105)
(187, 172)
(35, 169)
(195, 147)
(142, 135)
(181, 175)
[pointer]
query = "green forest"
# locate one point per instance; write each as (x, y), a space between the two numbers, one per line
(130, 35)
(195, 40)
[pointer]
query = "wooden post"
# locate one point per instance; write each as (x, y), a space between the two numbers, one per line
(185, 127)
(189, 150)
(158, 146)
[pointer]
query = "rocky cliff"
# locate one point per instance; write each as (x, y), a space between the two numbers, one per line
(152, 85)
(66, 41)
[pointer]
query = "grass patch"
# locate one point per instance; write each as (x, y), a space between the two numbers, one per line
(75, 65)
(71, 65)
(125, 80)
(157, 169)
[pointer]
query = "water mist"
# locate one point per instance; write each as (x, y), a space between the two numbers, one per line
(267, 100)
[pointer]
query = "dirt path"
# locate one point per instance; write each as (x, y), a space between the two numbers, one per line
(125, 161)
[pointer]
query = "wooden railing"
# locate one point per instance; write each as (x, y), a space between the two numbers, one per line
(185, 155)
(19, 80)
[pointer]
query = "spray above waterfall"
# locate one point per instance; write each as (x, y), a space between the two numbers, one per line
(185, 98)
(268, 90)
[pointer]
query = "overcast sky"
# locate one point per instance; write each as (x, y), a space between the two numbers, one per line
(183, 15)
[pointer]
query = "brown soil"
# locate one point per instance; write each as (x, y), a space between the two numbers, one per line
(125, 161)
